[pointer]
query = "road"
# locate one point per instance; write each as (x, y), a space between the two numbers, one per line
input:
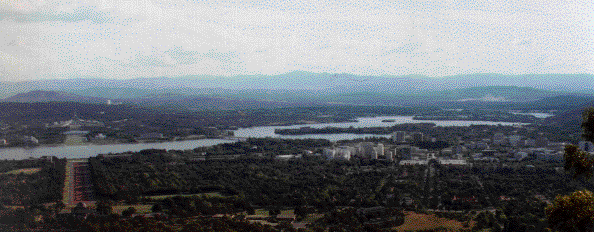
(78, 186)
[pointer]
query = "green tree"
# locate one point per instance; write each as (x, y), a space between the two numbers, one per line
(576, 211)
(128, 212)
(105, 207)
(156, 208)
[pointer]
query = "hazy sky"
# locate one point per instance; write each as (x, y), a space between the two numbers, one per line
(41, 39)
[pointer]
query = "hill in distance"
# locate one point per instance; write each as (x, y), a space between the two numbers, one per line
(52, 96)
(299, 80)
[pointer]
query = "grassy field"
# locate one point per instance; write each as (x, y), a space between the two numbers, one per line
(24, 171)
(139, 208)
(311, 218)
(74, 140)
(415, 222)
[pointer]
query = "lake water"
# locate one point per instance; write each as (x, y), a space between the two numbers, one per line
(254, 132)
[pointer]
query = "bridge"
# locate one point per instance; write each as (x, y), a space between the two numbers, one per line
(236, 139)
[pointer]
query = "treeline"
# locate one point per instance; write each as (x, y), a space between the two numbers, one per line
(361, 130)
(38, 113)
(199, 205)
(310, 180)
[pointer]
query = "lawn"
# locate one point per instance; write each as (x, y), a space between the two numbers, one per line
(24, 171)
(139, 208)
(415, 222)
(312, 217)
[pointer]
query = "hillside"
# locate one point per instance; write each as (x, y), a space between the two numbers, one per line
(299, 80)
(52, 96)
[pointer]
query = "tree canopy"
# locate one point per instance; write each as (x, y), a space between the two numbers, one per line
(575, 212)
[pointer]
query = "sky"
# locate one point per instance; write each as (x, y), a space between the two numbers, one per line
(122, 39)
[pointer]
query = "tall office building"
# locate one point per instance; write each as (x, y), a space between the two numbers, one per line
(586, 146)
(329, 153)
(404, 152)
(398, 137)
(380, 149)
(417, 137)
(390, 156)
(367, 150)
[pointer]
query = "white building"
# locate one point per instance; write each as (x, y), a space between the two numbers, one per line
(515, 140)
(390, 156)
(399, 137)
(100, 136)
(417, 137)
(379, 150)
(521, 155)
(499, 139)
(30, 139)
(367, 150)
(479, 146)
(343, 152)
(586, 146)
(530, 143)
(329, 153)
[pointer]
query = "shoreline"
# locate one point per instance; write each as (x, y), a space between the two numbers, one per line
(107, 143)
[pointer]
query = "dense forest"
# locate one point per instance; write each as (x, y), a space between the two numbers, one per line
(44, 184)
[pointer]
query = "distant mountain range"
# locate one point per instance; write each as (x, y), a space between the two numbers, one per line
(52, 96)
(569, 106)
(544, 92)
(336, 83)
(168, 101)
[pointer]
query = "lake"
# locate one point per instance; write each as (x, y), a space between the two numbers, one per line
(254, 132)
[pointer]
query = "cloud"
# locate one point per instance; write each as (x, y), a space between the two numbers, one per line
(39, 11)
(125, 39)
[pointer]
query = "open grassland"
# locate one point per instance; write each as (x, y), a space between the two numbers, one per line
(74, 140)
(416, 222)
(24, 171)
(139, 208)
(312, 217)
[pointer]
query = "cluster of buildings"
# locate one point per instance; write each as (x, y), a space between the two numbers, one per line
(364, 150)
(499, 147)
(75, 123)
(402, 137)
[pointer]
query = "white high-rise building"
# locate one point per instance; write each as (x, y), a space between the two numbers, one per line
(343, 152)
(417, 137)
(374, 154)
(586, 146)
(398, 136)
(379, 150)
(514, 140)
(329, 153)
(367, 150)
(390, 156)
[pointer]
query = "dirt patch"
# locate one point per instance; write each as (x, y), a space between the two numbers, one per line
(27, 171)
(414, 222)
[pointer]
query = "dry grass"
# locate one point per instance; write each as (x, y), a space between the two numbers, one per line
(414, 222)
(312, 217)
(139, 208)
(27, 171)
